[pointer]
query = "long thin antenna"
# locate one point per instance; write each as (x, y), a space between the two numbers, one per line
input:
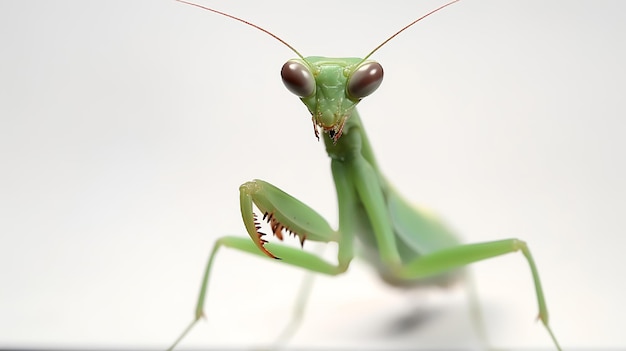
(246, 22)
(407, 26)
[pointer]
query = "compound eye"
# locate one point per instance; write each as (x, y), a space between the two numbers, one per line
(298, 78)
(365, 79)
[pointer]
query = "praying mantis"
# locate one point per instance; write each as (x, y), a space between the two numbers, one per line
(407, 246)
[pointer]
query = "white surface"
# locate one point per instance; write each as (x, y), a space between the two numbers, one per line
(126, 128)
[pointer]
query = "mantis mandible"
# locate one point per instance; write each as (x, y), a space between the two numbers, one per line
(407, 246)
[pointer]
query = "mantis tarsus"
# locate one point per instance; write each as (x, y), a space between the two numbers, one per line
(407, 246)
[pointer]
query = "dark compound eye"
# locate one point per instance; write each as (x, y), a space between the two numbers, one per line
(298, 78)
(365, 79)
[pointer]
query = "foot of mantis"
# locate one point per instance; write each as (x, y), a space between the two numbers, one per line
(287, 214)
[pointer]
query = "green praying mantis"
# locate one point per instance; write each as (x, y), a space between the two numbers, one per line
(407, 246)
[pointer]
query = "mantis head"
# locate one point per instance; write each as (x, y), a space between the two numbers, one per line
(331, 88)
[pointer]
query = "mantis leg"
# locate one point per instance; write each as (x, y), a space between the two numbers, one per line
(293, 325)
(475, 312)
(457, 257)
(288, 254)
(436, 262)
(284, 213)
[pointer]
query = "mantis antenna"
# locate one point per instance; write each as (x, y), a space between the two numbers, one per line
(296, 51)
(407, 27)
(248, 23)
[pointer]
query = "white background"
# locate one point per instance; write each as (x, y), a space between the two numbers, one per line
(126, 128)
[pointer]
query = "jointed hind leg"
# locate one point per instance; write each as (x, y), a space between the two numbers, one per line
(459, 256)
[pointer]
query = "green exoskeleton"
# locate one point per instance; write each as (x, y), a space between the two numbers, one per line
(407, 246)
